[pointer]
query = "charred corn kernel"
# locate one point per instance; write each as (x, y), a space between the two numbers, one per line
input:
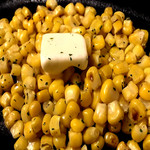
(17, 101)
(54, 85)
(6, 81)
(5, 99)
(29, 83)
(34, 108)
(25, 113)
(29, 96)
(123, 103)
(75, 136)
(121, 68)
(121, 41)
(122, 145)
(98, 42)
(17, 129)
(54, 125)
(79, 7)
(136, 74)
(51, 4)
(44, 82)
(80, 29)
(60, 107)
(16, 70)
(21, 143)
(115, 112)
(6, 111)
(130, 58)
(46, 142)
(98, 144)
(48, 107)
(111, 139)
(85, 98)
(45, 123)
(34, 144)
(130, 91)
(72, 93)
(43, 96)
(136, 110)
(121, 14)
(90, 135)
(119, 82)
(144, 91)
(60, 141)
(114, 128)
(72, 109)
(100, 114)
(70, 9)
(139, 132)
(26, 70)
(146, 142)
(88, 117)
(11, 118)
(117, 26)
(36, 124)
(87, 19)
(87, 38)
(94, 78)
(77, 125)
(133, 145)
(109, 39)
(108, 92)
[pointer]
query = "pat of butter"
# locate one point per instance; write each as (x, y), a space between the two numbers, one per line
(62, 50)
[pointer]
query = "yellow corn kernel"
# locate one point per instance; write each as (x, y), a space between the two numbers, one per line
(72, 93)
(144, 91)
(29, 83)
(100, 114)
(70, 9)
(79, 7)
(17, 129)
(139, 132)
(136, 74)
(108, 92)
(43, 96)
(146, 142)
(94, 78)
(34, 108)
(6, 81)
(21, 143)
(5, 99)
(119, 82)
(45, 123)
(88, 117)
(25, 113)
(98, 42)
(111, 139)
(123, 103)
(16, 70)
(60, 141)
(58, 11)
(4, 64)
(70, 21)
(90, 135)
(129, 48)
(87, 38)
(107, 26)
(144, 62)
(34, 143)
(48, 107)
(36, 124)
(106, 70)
(87, 19)
(108, 10)
(51, 4)
(110, 39)
(121, 40)
(98, 144)
(121, 14)
(72, 109)
(137, 110)
(56, 27)
(26, 12)
(11, 118)
(80, 29)
(54, 126)
(115, 112)
(77, 125)
(133, 145)
(66, 119)
(138, 51)
(147, 71)
(114, 128)
(38, 16)
(6, 111)
(146, 35)
(17, 101)
(46, 142)
(122, 145)
(117, 26)
(85, 98)
(29, 96)
(76, 79)
(90, 9)
(130, 58)
(75, 136)
(121, 68)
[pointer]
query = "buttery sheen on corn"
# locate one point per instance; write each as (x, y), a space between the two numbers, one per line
(102, 89)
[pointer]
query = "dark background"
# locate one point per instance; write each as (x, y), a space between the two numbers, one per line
(137, 10)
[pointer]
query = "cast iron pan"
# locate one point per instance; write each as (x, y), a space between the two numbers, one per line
(138, 11)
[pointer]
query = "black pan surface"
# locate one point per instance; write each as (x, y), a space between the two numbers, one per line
(138, 11)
